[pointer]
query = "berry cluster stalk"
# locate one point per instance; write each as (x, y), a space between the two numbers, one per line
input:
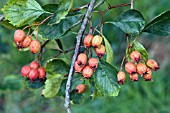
(79, 38)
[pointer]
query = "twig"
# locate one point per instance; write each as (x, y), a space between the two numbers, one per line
(65, 52)
(79, 8)
(1, 18)
(79, 38)
(131, 4)
(100, 3)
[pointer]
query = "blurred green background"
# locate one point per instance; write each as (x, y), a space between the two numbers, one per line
(135, 97)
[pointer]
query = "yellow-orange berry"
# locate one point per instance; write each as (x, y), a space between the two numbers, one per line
(121, 77)
(100, 50)
(130, 68)
(82, 59)
(27, 41)
(148, 75)
(77, 67)
(19, 36)
(152, 64)
(135, 56)
(141, 68)
(88, 40)
(35, 46)
(97, 40)
(133, 77)
(81, 88)
(93, 63)
(87, 72)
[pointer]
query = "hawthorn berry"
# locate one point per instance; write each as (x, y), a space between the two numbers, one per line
(93, 63)
(27, 41)
(77, 67)
(133, 77)
(135, 56)
(81, 88)
(19, 36)
(97, 40)
(33, 75)
(25, 71)
(130, 68)
(100, 50)
(121, 77)
(87, 72)
(35, 46)
(88, 40)
(141, 68)
(82, 59)
(42, 73)
(148, 75)
(152, 64)
(34, 65)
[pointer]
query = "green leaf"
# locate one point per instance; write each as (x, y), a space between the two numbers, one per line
(109, 51)
(160, 25)
(57, 66)
(131, 22)
(52, 85)
(105, 79)
(138, 47)
(22, 12)
(56, 31)
(50, 7)
(76, 98)
(33, 84)
(6, 24)
(62, 11)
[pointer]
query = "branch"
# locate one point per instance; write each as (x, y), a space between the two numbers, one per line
(79, 38)
(100, 3)
(1, 18)
(132, 4)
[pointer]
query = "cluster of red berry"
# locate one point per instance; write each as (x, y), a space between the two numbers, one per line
(81, 65)
(24, 41)
(138, 67)
(33, 71)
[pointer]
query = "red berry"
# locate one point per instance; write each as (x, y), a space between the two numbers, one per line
(33, 75)
(141, 68)
(81, 88)
(88, 40)
(34, 65)
(135, 56)
(25, 71)
(130, 68)
(148, 75)
(93, 63)
(134, 77)
(35, 46)
(77, 67)
(121, 77)
(42, 73)
(27, 41)
(19, 36)
(100, 50)
(87, 72)
(97, 40)
(82, 59)
(152, 64)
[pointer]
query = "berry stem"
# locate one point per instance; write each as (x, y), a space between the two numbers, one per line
(79, 38)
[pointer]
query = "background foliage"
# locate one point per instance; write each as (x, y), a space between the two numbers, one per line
(137, 97)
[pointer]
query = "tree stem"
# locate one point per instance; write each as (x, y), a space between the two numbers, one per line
(131, 4)
(79, 38)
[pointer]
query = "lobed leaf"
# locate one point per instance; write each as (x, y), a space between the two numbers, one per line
(52, 85)
(131, 22)
(109, 51)
(105, 80)
(22, 12)
(62, 11)
(57, 66)
(56, 31)
(160, 25)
